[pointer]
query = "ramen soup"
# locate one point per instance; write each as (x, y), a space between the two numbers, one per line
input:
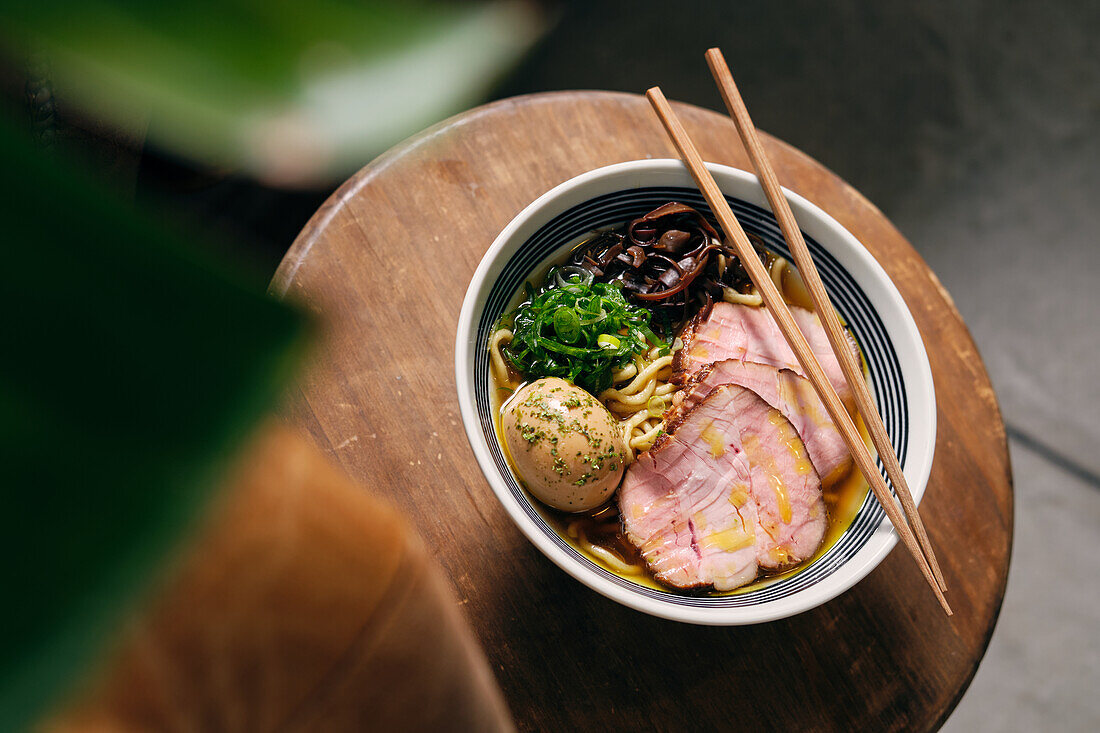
(653, 410)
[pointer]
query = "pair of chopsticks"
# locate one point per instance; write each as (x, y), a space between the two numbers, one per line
(919, 545)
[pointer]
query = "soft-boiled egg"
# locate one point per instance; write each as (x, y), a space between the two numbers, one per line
(566, 447)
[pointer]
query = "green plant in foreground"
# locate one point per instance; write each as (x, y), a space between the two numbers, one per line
(132, 370)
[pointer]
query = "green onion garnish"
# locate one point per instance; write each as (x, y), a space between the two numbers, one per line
(578, 330)
(608, 341)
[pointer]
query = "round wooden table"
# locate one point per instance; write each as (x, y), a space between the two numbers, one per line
(384, 265)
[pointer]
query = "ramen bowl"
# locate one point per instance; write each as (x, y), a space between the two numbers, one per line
(867, 301)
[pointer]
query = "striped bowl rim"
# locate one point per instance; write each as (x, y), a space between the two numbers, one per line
(544, 232)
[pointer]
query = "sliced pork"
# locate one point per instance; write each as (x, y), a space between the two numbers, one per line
(787, 392)
(730, 490)
(747, 333)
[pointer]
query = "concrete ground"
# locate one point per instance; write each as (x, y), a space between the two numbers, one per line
(975, 127)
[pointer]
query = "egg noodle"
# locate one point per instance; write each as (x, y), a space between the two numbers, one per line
(501, 338)
(778, 269)
(578, 530)
(640, 395)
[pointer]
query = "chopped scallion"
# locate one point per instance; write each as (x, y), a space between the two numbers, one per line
(608, 341)
(578, 330)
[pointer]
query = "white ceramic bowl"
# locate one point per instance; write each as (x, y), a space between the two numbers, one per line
(864, 296)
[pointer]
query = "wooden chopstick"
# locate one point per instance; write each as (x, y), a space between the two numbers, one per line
(852, 372)
(778, 308)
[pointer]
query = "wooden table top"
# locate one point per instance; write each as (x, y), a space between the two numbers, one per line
(385, 263)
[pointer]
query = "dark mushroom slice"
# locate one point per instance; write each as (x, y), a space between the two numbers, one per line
(667, 260)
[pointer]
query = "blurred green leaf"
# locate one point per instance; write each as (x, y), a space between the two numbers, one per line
(131, 370)
(292, 92)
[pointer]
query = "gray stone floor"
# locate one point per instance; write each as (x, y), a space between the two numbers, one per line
(976, 127)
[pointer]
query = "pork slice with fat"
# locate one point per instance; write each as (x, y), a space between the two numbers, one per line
(748, 333)
(729, 490)
(787, 392)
